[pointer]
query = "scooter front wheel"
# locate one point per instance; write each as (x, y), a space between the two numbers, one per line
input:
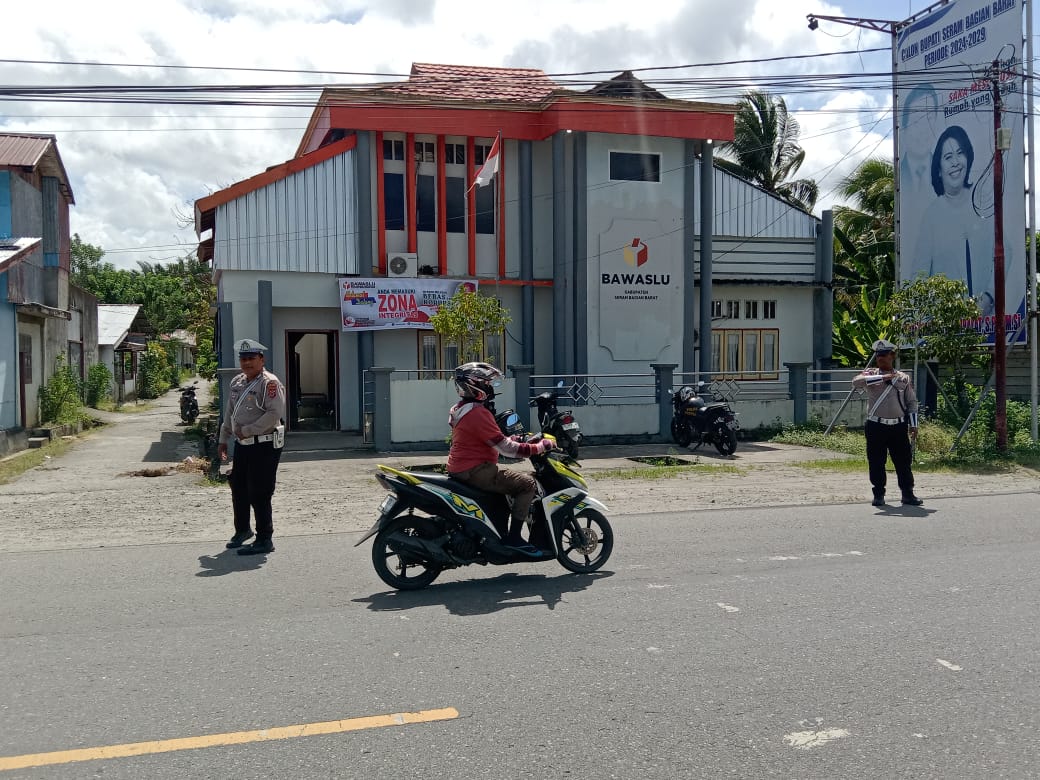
(681, 433)
(585, 542)
(394, 563)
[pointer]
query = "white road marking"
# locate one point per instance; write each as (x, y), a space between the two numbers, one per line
(652, 586)
(815, 737)
(726, 607)
(784, 558)
(653, 650)
(948, 665)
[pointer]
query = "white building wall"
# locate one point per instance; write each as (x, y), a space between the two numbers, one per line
(633, 324)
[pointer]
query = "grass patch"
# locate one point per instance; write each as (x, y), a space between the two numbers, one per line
(130, 407)
(15, 466)
(665, 472)
(841, 465)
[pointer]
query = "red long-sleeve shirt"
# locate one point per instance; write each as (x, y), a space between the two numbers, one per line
(476, 439)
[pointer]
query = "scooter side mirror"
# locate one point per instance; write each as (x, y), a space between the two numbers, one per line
(560, 384)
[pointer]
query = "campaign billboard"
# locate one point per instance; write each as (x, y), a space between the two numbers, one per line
(385, 303)
(946, 149)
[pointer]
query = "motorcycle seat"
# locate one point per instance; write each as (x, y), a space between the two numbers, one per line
(454, 485)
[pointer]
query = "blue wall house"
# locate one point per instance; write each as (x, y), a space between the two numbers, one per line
(39, 319)
(606, 231)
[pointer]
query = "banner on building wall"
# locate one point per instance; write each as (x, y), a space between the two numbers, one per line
(639, 288)
(383, 303)
(946, 150)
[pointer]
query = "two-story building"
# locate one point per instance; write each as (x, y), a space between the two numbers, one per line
(607, 232)
(41, 317)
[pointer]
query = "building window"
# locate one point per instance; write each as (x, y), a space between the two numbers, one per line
(750, 310)
(716, 308)
(747, 354)
(455, 154)
(733, 310)
(769, 310)
(425, 151)
(437, 354)
(425, 204)
(393, 200)
(480, 153)
(635, 166)
(485, 209)
(393, 150)
(456, 187)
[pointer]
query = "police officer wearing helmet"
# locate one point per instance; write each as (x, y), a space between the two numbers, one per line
(476, 443)
(891, 422)
(253, 417)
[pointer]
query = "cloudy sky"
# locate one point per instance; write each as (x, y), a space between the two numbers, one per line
(136, 166)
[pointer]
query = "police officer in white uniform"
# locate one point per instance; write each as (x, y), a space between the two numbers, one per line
(891, 422)
(253, 417)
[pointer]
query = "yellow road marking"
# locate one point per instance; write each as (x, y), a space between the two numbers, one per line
(232, 738)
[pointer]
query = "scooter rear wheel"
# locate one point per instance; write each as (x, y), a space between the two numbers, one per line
(400, 569)
(585, 542)
(725, 440)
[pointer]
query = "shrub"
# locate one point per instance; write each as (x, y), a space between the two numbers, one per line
(61, 397)
(153, 373)
(99, 384)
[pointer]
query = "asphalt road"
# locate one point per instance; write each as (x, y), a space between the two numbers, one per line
(814, 642)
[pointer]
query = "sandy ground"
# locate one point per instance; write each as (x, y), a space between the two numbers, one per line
(88, 497)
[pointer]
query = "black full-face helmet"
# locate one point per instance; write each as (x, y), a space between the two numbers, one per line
(477, 381)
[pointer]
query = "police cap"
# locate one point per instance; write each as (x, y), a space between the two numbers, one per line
(249, 347)
(883, 346)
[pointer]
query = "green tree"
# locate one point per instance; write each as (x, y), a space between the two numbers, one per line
(765, 149)
(930, 313)
(466, 317)
(864, 260)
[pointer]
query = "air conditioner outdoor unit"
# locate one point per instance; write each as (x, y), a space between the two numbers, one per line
(402, 264)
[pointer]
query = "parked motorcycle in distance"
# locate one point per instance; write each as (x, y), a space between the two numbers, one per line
(560, 425)
(430, 522)
(189, 404)
(697, 419)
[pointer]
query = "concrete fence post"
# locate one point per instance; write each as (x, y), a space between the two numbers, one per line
(522, 376)
(798, 387)
(381, 407)
(663, 378)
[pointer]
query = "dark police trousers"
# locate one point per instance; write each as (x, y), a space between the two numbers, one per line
(252, 485)
(885, 440)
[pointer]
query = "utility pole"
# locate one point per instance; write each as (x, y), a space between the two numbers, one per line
(999, 328)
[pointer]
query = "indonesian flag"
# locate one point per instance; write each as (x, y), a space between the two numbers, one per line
(490, 167)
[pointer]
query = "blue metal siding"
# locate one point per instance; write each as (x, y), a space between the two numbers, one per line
(305, 222)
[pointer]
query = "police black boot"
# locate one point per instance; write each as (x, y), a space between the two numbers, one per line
(911, 499)
(879, 497)
(240, 538)
(259, 547)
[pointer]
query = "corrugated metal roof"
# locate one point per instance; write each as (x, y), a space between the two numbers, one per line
(35, 150)
(23, 149)
(466, 82)
(114, 320)
(14, 249)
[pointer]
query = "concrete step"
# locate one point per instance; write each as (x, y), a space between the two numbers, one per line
(37, 441)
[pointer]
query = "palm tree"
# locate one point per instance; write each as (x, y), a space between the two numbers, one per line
(765, 149)
(864, 260)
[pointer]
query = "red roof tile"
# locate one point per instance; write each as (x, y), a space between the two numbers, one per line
(469, 83)
(35, 151)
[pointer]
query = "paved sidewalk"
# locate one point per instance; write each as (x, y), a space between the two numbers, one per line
(88, 498)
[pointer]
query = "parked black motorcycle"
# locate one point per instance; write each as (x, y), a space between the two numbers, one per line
(431, 522)
(697, 420)
(189, 404)
(560, 425)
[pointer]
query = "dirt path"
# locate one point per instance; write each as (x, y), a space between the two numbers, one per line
(87, 498)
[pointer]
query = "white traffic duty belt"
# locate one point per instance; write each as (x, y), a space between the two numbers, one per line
(256, 439)
(887, 420)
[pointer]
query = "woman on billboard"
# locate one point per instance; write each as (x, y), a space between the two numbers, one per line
(954, 239)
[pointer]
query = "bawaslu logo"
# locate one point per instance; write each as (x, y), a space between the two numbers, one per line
(635, 255)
